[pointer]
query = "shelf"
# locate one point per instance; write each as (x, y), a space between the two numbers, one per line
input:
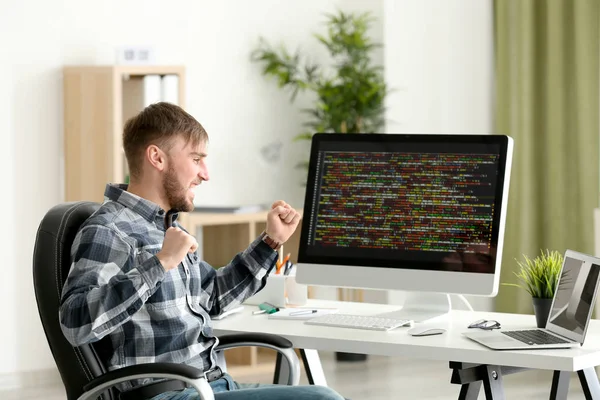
(136, 70)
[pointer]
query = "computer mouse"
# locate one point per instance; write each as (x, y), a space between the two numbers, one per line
(425, 331)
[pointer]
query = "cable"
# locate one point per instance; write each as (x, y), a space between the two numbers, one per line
(463, 298)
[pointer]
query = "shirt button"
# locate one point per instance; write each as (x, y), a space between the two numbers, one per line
(161, 212)
(195, 257)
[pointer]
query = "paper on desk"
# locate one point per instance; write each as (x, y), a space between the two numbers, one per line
(284, 313)
(228, 313)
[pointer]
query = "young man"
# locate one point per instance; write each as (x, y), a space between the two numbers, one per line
(143, 286)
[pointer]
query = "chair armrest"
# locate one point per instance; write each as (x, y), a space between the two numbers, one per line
(237, 340)
(181, 372)
(274, 342)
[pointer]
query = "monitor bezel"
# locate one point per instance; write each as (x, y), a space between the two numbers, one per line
(329, 270)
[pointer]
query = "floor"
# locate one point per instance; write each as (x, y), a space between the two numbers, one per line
(379, 378)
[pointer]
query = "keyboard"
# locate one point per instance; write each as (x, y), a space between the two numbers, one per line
(372, 323)
(534, 337)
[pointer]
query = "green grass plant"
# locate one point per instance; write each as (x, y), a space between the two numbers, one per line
(539, 276)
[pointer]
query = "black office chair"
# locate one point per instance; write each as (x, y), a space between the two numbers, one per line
(82, 368)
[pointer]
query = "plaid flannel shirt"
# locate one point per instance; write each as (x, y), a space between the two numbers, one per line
(117, 287)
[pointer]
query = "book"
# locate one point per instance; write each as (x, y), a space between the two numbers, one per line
(170, 89)
(152, 90)
(301, 313)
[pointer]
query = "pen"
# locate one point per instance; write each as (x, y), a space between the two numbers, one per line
(259, 312)
(303, 312)
(285, 260)
(287, 268)
(278, 266)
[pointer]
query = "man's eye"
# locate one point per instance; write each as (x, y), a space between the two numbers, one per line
(196, 160)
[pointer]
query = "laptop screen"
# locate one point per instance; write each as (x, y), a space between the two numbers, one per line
(574, 298)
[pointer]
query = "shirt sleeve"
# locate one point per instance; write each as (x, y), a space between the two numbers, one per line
(106, 285)
(245, 275)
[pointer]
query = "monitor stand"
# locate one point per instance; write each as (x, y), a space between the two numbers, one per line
(421, 307)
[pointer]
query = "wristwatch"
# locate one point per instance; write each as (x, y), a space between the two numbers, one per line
(270, 241)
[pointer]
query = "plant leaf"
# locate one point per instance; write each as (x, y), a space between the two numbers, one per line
(348, 95)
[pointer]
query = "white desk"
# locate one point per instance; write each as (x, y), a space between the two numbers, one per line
(472, 363)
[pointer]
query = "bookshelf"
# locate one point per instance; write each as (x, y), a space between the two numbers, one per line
(97, 102)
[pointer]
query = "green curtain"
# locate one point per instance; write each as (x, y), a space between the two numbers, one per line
(547, 91)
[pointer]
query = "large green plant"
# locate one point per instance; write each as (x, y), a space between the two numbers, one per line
(350, 93)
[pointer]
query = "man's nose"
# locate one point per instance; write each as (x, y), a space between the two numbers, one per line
(204, 174)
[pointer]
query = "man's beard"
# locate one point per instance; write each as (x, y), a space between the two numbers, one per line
(177, 195)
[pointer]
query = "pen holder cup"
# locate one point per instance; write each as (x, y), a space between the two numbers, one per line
(296, 293)
(281, 291)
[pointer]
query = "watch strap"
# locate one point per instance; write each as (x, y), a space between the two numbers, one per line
(272, 243)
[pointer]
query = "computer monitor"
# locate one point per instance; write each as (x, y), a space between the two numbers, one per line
(423, 213)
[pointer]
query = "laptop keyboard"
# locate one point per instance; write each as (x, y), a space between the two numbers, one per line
(534, 337)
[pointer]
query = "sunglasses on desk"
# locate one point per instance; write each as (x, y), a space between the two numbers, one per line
(486, 324)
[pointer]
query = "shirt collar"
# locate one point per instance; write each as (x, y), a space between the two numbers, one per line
(147, 209)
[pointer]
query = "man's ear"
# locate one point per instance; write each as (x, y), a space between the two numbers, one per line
(156, 157)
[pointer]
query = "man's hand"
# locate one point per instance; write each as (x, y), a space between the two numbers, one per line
(176, 245)
(282, 221)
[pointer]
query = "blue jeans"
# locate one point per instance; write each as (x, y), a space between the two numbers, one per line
(227, 389)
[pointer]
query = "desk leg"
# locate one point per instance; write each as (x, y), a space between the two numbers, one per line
(589, 383)
(560, 385)
(492, 382)
(282, 371)
(470, 391)
(312, 366)
(471, 376)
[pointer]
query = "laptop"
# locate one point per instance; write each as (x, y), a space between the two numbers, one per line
(569, 315)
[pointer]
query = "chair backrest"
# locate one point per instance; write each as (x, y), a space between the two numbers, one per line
(51, 264)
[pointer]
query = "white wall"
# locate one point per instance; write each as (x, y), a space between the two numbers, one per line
(10, 269)
(438, 58)
(240, 110)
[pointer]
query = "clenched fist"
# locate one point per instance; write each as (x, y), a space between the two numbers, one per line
(176, 245)
(282, 221)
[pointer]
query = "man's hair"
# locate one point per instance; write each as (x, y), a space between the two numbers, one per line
(158, 124)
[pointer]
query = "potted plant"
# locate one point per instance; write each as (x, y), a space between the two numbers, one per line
(349, 94)
(539, 277)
